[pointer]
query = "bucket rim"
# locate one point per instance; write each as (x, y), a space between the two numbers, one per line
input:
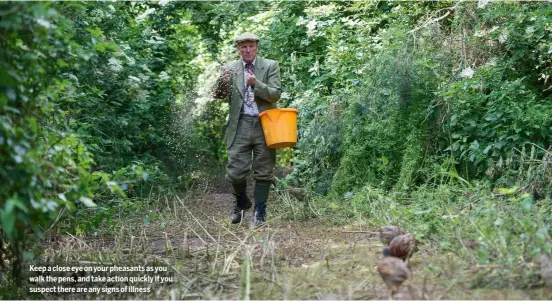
(279, 109)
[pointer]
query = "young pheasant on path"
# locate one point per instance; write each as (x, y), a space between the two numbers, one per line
(393, 271)
(403, 246)
(387, 234)
(545, 270)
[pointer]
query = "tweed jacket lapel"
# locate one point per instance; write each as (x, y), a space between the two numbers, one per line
(260, 69)
(238, 73)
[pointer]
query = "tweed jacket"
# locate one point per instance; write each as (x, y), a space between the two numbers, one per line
(267, 91)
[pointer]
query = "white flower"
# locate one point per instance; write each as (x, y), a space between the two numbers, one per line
(503, 37)
(315, 70)
(353, 22)
(323, 10)
(44, 22)
(491, 62)
(311, 27)
(301, 21)
(145, 68)
(479, 34)
(124, 46)
(131, 61)
(155, 40)
(97, 15)
(163, 2)
(144, 77)
(467, 73)
(134, 78)
(163, 76)
(115, 64)
(73, 77)
(143, 16)
(529, 30)
(482, 3)
(142, 94)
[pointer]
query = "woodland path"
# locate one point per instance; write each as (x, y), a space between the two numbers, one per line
(301, 258)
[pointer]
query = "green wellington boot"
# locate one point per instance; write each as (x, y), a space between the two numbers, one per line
(261, 196)
(242, 202)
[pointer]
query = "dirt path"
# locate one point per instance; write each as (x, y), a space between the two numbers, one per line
(290, 259)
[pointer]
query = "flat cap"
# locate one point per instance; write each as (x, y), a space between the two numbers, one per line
(246, 36)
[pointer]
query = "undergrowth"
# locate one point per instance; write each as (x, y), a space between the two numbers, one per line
(501, 228)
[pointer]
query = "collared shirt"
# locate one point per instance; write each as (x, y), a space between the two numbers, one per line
(249, 104)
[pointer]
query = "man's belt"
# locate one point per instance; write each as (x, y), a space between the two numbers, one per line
(247, 115)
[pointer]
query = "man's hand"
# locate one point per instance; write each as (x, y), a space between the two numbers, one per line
(251, 80)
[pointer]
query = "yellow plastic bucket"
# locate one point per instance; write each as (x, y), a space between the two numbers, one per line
(280, 127)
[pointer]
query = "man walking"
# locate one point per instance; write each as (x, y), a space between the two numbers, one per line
(253, 85)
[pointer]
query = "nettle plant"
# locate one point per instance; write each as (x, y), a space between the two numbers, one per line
(491, 115)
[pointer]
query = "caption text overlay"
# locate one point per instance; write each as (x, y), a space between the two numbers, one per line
(97, 279)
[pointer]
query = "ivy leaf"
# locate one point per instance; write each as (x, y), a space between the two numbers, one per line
(526, 204)
(8, 222)
(103, 46)
(95, 32)
(483, 255)
(28, 256)
(32, 124)
(61, 63)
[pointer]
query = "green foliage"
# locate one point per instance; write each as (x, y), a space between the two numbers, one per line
(347, 76)
(521, 42)
(45, 167)
(123, 92)
(387, 123)
(56, 115)
(404, 120)
(210, 127)
(403, 104)
(502, 106)
(323, 160)
(491, 115)
(216, 19)
(123, 193)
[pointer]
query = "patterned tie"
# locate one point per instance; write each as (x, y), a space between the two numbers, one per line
(250, 69)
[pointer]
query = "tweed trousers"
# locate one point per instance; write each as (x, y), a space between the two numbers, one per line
(249, 150)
